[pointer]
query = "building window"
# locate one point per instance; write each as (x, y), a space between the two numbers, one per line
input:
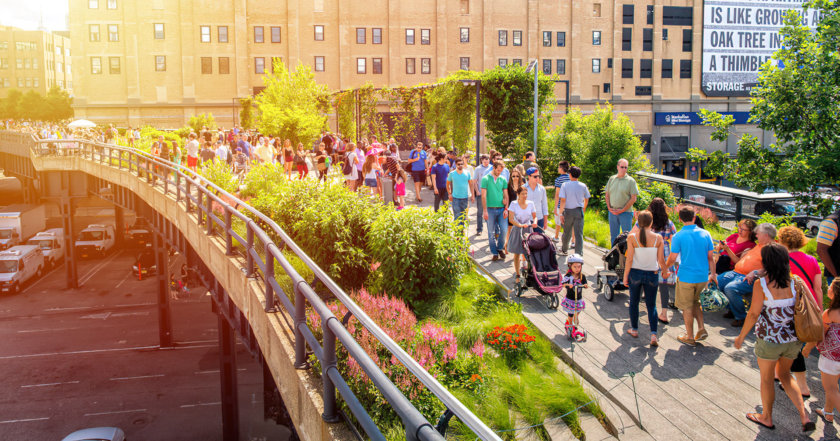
(95, 65)
(93, 32)
(223, 34)
(113, 32)
(258, 34)
(319, 32)
(667, 68)
(20, 82)
(259, 65)
(503, 38)
(646, 68)
(361, 35)
(275, 34)
(425, 65)
(687, 37)
(596, 38)
(665, 34)
(627, 39)
(650, 14)
(93, 4)
(627, 68)
(596, 65)
(685, 68)
(224, 65)
(19, 63)
(376, 65)
(319, 64)
(606, 87)
(677, 15)
(112, 4)
(643, 90)
(465, 63)
(409, 36)
(561, 39)
(465, 35)
(425, 36)
(206, 65)
(517, 38)
(160, 63)
(376, 35)
(546, 67)
(361, 65)
(547, 38)
(465, 7)
(647, 39)
(561, 67)
(159, 31)
(627, 12)
(503, 62)
(29, 82)
(205, 34)
(410, 66)
(114, 65)
(516, 62)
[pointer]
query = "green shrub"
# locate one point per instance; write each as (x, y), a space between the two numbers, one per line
(422, 253)
(650, 190)
(183, 132)
(198, 122)
(149, 135)
(220, 174)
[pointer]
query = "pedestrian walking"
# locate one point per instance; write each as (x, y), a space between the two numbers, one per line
(288, 158)
(300, 161)
(322, 159)
(573, 304)
(192, 152)
(417, 167)
(537, 195)
(440, 173)
(562, 178)
(829, 363)
(493, 191)
(828, 245)
(522, 216)
(574, 197)
(459, 185)
(483, 169)
(349, 169)
(516, 182)
(644, 258)
(620, 195)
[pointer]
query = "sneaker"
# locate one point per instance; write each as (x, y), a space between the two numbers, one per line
(685, 339)
(701, 335)
(495, 257)
(556, 240)
(502, 254)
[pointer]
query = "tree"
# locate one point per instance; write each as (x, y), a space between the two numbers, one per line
(33, 106)
(59, 103)
(10, 106)
(198, 122)
(798, 98)
(449, 111)
(507, 105)
(246, 113)
(288, 106)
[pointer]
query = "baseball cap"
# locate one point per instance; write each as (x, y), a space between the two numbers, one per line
(531, 171)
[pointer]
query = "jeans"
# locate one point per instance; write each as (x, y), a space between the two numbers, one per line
(441, 196)
(460, 207)
(649, 282)
(573, 224)
(479, 214)
(496, 224)
(735, 287)
(541, 223)
(619, 223)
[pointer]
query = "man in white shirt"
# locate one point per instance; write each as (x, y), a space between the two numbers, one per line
(192, 152)
(221, 151)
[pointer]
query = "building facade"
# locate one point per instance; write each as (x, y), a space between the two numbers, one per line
(34, 60)
(161, 61)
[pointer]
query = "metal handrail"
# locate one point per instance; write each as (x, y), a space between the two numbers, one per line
(417, 427)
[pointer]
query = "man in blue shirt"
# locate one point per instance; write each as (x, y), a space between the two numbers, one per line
(417, 167)
(483, 169)
(440, 172)
(242, 142)
(459, 184)
(694, 247)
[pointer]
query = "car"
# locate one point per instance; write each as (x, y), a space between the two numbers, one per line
(97, 434)
(96, 239)
(723, 205)
(774, 208)
(140, 234)
(144, 264)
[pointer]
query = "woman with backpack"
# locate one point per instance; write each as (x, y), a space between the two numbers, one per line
(776, 343)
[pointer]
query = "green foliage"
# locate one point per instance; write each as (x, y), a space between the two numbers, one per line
(246, 113)
(371, 119)
(9, 106)
(220, 174)
(507, 106)
(198, 122)
(149, 135)
(449, 111)
(650, 190)
(422, 252)
(405, 103)
(288, 106)
(797, 101)
(56, 106)
(597, 228)
(345, 104)
(184, 132)
(777, 221)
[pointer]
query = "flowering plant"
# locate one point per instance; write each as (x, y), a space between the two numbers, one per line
(512, 342)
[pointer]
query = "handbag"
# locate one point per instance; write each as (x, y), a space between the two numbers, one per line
(712, 299)
(807, 319)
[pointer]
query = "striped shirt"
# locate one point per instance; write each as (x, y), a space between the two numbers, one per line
(560, 180)
(828, 232)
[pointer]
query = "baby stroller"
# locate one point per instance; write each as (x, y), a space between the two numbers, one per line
(540, 268)
(609, 279)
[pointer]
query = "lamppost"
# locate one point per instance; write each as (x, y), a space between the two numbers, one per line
(533, 66)
(477, 84)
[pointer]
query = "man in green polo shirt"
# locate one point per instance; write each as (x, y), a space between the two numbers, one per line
(493, 191)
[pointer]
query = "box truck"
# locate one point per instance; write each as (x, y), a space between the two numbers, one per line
(20, 222)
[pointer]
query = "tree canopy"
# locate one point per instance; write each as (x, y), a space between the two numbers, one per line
(798, 98)
(56, 106)
(289, 104)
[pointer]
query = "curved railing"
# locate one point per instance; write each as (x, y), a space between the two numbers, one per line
(199, 194)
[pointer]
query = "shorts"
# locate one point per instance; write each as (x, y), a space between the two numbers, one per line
(192, 161)
(370, 182)
(687, 295)
(572, 306)
(829, 366)
(418, 176)
(774, 351)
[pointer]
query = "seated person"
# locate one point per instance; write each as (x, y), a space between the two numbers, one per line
(737, 284)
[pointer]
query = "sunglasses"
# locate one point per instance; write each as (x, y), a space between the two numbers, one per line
(622, 166)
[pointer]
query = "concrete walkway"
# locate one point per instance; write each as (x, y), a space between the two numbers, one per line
(683, 393)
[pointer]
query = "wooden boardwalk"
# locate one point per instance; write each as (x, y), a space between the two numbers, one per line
(683, 393)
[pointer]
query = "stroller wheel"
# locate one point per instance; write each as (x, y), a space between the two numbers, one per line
(609, 293)
(555, 301)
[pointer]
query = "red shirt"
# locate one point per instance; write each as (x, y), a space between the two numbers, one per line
(737, 248)
(811, 267)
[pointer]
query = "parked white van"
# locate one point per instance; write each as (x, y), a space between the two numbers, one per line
(51, 243)
(19, 264)
(96, 239)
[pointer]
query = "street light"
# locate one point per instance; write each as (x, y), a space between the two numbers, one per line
(533, 65)
(477, 84)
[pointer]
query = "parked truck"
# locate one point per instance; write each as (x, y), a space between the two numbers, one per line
(20, 222)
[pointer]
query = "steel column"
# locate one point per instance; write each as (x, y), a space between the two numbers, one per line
(119, 224)
(66, 207)
(227, 374)
(164, 309)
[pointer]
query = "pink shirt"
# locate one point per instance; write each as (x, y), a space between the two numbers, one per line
(811, 267)
(737, 248)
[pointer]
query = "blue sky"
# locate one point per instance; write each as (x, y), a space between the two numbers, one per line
(27, 13)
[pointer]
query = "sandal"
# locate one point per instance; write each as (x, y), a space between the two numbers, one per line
(634, 333)
(701, 335)
(824, 415)
(685, 339)
(654, 342)
(754, 418)
(663, 321)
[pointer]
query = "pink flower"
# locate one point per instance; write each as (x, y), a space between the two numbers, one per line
(478, 349)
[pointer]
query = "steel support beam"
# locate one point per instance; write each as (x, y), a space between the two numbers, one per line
(227, 374)
(119, 225)
(164, 309)
(66, 207)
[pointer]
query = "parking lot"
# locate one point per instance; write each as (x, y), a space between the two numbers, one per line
(81, 358)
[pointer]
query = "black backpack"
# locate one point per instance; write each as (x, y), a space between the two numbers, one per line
(346, 166)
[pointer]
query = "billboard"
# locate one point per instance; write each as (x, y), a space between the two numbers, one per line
(738, 37)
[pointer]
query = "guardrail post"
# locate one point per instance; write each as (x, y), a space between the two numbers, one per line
(228, 229)
(250, 259)
(189, 195)
(149, 176)
(207, 212)
(682, 190)
(300, 321)
(199, 206)
(177, 185)
(330, 414)
(269, 276)
(739, 208)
